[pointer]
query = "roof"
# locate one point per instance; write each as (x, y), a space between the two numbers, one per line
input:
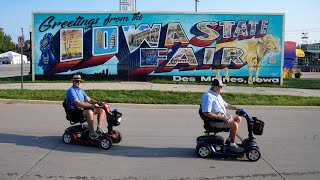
(8, 53)
(299, 53)
(313, 51)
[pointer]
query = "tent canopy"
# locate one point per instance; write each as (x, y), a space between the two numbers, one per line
(299, 53)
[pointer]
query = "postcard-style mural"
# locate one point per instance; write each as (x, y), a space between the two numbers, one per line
(239, 48)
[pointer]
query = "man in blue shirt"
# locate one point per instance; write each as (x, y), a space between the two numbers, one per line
(84, 106)
(214, 107)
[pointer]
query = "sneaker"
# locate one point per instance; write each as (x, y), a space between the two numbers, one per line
(99, 131)
(94, 135)
(236, 149)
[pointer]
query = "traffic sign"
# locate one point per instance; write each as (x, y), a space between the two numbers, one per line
(20, 41)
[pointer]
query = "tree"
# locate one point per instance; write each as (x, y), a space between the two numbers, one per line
(5, 42)
(26, 42)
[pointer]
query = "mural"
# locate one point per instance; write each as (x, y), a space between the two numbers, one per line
(239, 48)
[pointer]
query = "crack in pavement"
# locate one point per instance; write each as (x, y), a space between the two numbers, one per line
(41, 159)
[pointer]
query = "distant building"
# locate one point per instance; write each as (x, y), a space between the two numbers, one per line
(312, 56)
(11, 57)
(127, 5)
(312, 51)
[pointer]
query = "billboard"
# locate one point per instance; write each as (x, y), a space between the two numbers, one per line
(238, 47)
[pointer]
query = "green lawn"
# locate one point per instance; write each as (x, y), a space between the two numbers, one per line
(287, 83)
(162, 97)
(169, 97)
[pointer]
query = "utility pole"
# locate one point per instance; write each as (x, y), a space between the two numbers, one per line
(196, 5)
(304, 37)
(30, 49)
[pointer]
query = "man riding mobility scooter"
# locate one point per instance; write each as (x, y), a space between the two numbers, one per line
(80, 133)
(213, 145)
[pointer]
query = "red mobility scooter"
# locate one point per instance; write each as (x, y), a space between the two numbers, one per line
(78, 133)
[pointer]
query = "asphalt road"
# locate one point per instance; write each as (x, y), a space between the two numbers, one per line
(158, 143)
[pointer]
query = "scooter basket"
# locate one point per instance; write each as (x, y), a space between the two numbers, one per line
(258, 126)
(114, 117)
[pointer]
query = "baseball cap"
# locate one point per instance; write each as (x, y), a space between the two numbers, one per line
(217, 82)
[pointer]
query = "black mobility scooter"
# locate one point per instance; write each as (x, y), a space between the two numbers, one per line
(79, 132)
(213, 145)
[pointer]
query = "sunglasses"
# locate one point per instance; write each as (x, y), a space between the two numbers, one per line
(77, 81)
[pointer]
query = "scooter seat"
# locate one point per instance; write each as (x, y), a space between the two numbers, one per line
(212, 125)
(72, 115)
(215, 126)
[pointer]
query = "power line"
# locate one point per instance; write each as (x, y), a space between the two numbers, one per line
(302, 31)
(311, 29)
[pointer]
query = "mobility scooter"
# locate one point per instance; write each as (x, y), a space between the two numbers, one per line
(213, 145)
(80, 133)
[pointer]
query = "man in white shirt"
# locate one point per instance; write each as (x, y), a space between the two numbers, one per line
(214, 107)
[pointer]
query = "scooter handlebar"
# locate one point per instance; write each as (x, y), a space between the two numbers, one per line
(104, 106)
(241, 112)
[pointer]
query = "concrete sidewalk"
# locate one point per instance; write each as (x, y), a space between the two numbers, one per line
(165, 87)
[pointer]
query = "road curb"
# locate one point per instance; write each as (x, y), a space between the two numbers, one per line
(155, 106)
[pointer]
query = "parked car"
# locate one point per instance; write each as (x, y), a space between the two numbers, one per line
(305, 68)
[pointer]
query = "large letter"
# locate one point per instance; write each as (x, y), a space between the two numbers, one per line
(263, 28)
(204, 33)
(241, 30)
(136, 36)
(175, 34)
(149, 57)
(183, 56)
(105, 40)
(232, 55)
(226, 30)
(253, 27)
(46, 24)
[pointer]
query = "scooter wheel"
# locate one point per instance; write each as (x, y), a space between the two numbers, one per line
(204, 151)
(253, 154)
(106, 142)
(67, 138)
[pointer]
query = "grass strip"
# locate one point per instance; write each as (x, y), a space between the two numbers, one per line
(162, 97)
(287, 82)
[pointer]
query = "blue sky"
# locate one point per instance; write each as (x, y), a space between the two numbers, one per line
(300, 16)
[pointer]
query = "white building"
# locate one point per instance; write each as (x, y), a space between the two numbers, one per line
(13, 58)
(127, 5)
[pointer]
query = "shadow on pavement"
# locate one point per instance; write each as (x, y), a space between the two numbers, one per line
(46, 142)
(55, 143)
(161, 152)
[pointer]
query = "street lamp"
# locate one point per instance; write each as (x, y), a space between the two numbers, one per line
(30, 50)
(196, 5)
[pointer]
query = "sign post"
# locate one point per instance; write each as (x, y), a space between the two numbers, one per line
(21, 45)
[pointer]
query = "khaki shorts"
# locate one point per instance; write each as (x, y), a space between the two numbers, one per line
(218, 124)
